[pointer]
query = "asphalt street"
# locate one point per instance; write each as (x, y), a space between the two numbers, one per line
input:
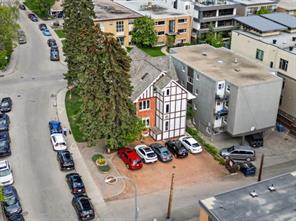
(33, 84)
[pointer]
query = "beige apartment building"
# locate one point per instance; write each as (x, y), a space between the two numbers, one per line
(287, 6)
(271, 39)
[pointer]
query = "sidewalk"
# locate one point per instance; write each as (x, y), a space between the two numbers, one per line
(96, 188)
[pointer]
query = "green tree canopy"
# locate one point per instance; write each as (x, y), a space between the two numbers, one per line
(213, 38)
(263, 11)
(40, 7)
(143, 34)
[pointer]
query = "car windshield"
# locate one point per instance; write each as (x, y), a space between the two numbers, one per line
(135, 162)
(77, 182)
(5, 104)
(151, 155)
(195, 145)
(2, 121)
(230, 148)
(62, 144)
(2, 143)
(85, 204)
(67, 156)
(10, 200)
(165, 153)
(4, 172)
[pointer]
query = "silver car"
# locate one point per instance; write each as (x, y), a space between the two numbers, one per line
(239, 152)
(21, 37)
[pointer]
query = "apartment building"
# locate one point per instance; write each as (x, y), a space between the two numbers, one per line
(205, 13)
(287, 6)
(234, 94)
(268, 200)
(251, 7)
(271, 39)
(168, 21)
(161, 102)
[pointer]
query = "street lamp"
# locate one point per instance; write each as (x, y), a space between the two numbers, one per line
(112, 180)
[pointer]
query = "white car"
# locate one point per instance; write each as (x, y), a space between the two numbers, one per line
(6, 177)
(146, 153)
(191, 144)
(58, 141)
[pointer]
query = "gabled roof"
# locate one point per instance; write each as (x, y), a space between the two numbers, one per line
(282, 19)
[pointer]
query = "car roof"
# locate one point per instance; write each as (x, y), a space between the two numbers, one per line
(243, 147)
(59, 137)
(3, 164)
(132, 155)
(191, 140)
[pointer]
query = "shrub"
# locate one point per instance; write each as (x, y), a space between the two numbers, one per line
(101, 162)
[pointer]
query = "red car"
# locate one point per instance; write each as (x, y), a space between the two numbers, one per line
(130, 158)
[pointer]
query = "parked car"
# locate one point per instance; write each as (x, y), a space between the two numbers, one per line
(22, 7)
(163, 154)
(255, 140)
(33, 17)
(46, 32)
(191, 144)
(248, 169)
(51, 42)
(83, 207)
(4, 135)
(238, 152)
(146, 153)
(18, 217)
(6, 177)
(42, 26)
(130, 157)
(6, 104)
(21, 37)
(54, 55)
(177, 148)
(75, 183)
(55, 127)
(58, 142)
(5, 147)
(11, 204)
(65, 160)
(4, 122)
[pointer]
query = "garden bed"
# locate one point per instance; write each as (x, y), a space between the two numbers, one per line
(101, 163)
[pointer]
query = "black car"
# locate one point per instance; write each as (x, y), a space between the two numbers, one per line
(163, 154)
(51, 42)
(75, 183)
(33, 17)
(22, 7)
(177, 148)
(255, 140)
(65, 159)
(18, 217)
(6, 104)
(4, 135)
(4, 147)
(42, 26)
(54, 55)
(4, 122)
(83, 208)
(11, 204)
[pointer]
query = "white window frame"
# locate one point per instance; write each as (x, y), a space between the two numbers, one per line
(146, 121)
(167, 105)
(144, 105)
(120, 26)
(166, 125)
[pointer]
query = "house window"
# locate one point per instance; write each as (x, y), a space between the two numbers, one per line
(220, 86)
(259, 54)
(119, 26)
(283, 64)
(168, 92)
(160, 33)
(182, 20)
(166, 126)
(167, 108)
(196, 91)
(160, 23)
(184, 30)
(144, 105)
(146, 121)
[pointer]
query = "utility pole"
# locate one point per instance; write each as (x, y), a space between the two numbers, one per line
(261, 168)
(170, 198)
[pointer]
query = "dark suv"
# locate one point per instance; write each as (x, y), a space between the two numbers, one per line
(65, 159)
(4, 122)
(255, 140)
(177, 148)
(6, 104)
(83, 208)
(11, 204)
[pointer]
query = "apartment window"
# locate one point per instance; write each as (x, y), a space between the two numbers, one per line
(259, 54)
(190, 79)
(168, 92)
(160, 33)
(182, 20)
(271, 64)
(166, 126)
(197, 76)
(187, 7)
(160, 23)
(146, 121)
(167, 108)
(196, 91)
(224, 12)
(205, 25)
(283, 64)
(208, 14)
(225, 23)
(144, 105)
(182, 30)
(119, 26)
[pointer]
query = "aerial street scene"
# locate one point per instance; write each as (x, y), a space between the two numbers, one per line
(147, 110)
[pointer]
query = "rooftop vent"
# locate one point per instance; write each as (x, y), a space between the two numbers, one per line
(237, 69)
(144, 76)
(271, 188)
(253, 194)
(235, 60)
(204, 53)
(274, 41)
(293, 38)
(220, 61)
(291, 48)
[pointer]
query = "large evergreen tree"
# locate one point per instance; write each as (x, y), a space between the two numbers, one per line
(79, 16)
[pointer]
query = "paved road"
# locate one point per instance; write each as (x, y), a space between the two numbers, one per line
(41, 186)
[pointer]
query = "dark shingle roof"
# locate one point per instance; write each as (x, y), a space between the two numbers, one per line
(282, 18)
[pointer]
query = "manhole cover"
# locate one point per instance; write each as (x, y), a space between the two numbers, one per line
(110, 180)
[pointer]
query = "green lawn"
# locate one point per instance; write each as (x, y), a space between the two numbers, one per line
(60, 33)
(153, 52)
(73, 108)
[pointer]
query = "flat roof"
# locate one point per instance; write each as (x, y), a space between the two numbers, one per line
(222, 64)
(109, 10)
(259, 23)
(284, 40)
(238, 204)
(156, 10)
(287, 4)
(203, 3)
(282, 19)
(255, 2)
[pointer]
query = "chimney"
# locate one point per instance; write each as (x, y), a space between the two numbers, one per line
(291, 48)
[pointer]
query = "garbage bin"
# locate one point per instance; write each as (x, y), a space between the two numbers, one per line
(280, 127)
(248, 169)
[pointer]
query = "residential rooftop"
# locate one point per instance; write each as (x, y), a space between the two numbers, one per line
(285, 41)
(275, 200)
(282, 19)
(222, 64)
(155, 10)
(287, 4)
(255, 2)
(109, 10)
(207, 3)
(260, 24)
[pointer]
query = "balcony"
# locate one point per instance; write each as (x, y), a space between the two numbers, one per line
(224, 97)
(221, 113)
